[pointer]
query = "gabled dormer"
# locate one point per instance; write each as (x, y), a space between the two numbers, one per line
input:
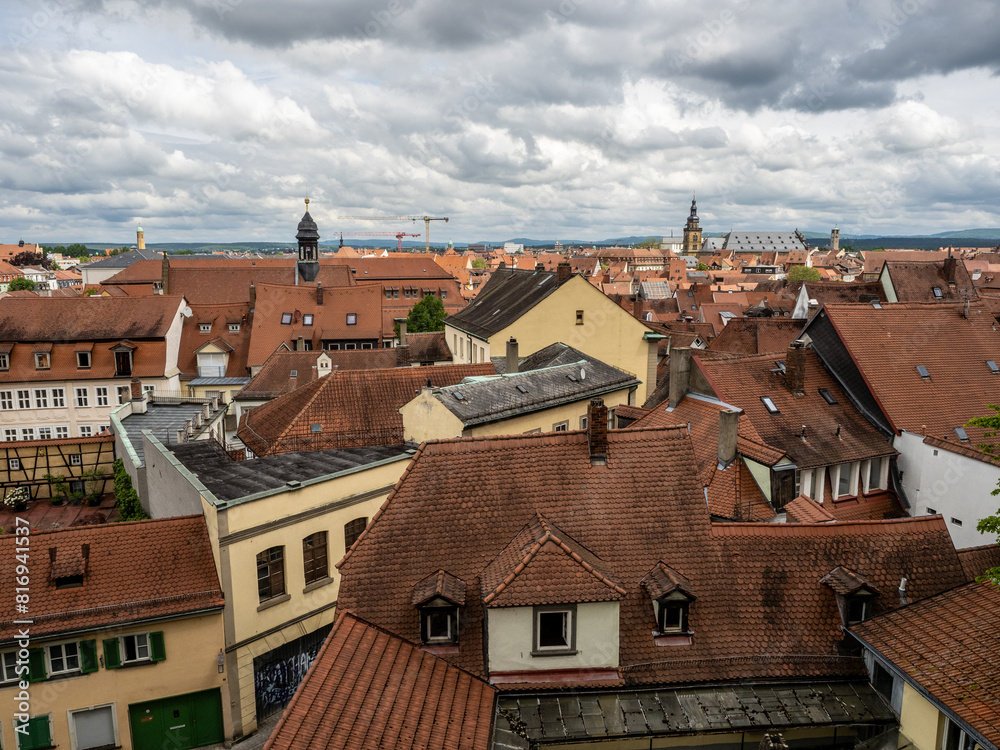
(551, 604)
(68, 567)
(671, 596)
(855, 596)
(439, 599)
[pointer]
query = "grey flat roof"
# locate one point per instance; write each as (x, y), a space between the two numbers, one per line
(568, 717)
(162, 419)
(124, 260)
(231, 480)
(219, 381)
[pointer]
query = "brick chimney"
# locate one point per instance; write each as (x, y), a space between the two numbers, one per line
(680, 373)
(253, 296)
(402, 331)
(319, 293)
(637, 308)
(949, 267)
(165, 274)
(795, 368)
(512, 358)
(137, 396)
(563, 271)
(729, 422)
(597, 432)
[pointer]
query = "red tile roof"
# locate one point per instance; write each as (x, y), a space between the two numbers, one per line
(440, 584)
(351, 409)
(757, 335)
(805, 510)
(134, 571)
(30, 319)
(218, 317)
(888, 344)
(948, 644)
(370, 689)
(977, 560)
(761, 610)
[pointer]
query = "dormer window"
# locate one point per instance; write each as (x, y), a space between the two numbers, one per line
(205, 327)
(554, 630)
(671, 596)
(43, 361)
(857, 609)
(672, 615)
(123, 358)
(855, 596)
(438, 599)
(234, 327)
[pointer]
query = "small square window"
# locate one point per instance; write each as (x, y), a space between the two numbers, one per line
(205, 327)
(234, 327)
(307, 319)
(439, 623)
(857, 609)
(555, 630)
(75, 459)
(64, 657)
(42, 361)
(352, 319)
(86, 430)
(560, 427)
(13, 464)
(286, 319)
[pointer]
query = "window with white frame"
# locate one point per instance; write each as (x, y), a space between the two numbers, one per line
(13, 464)
(135, 648)
(58, 397)
(75, 459)
(41, 398)
(43, 361)
(24, 399)
(4, 361)
(27, 433)
(149, 389)
(204, 327)
(86, 430)
(82, 397)
(44, 433)
(94, 727)
(63, 658)
(83, 360)
(554, 629)
(6, 400)
(875, 474)
(234, 327)
(62, 432)
(124, 394)
(101, 394)
(10, 434)
(844, 480)
(8, 666)
(102, 427)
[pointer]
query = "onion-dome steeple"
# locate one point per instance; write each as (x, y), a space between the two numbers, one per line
(308, 236)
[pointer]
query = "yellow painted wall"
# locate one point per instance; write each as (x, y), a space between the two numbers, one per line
(919, 720)
(40, 457)
(426, 418)
(192, 646)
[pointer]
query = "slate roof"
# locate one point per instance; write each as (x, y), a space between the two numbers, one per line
(351, 409)
(368, 689)
(761, 610)
(493, 399)
(888, 344)
(230, 480)
(950, 654)
(135, 571)
(743, 381)
(124, 260)
(503, 299)
(757, 335)
(763, 242)
(31, 319)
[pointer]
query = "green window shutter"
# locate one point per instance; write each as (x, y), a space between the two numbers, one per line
(38, 735)
(157, 649)
(36, 665)
(88, 656)
(112, 660)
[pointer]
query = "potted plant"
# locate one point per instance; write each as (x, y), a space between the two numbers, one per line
(94, 481)
(17, 499)
(58, 488)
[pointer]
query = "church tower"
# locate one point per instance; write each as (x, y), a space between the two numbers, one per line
(692, 232)
(140, 239)
(308, 238)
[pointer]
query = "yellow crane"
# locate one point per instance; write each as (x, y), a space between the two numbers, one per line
(426, 219)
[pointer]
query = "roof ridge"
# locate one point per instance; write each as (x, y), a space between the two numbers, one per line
(116, 524)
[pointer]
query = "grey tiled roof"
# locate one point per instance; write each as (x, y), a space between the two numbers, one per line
(162, 419)
(558, 374)
(124, 260)
(764, 242)
(231, 480)
(506, 297)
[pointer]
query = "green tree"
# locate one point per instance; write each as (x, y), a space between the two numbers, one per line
(478, 263)
(21, 282)
(990, 524)
(803, 273)
(77, 250)
(26, 258)
(649, 242)
(427, 315)
(701, 267)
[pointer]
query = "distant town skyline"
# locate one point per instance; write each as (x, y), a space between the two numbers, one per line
(212, 120)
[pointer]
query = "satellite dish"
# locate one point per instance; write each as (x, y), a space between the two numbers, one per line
(583, 374)
(186, 311)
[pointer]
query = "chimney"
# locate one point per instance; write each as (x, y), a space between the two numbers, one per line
(597, 432)
(181, 436)
(253, 295)
(949, 267)
(680, 373)
(165, 274)
(563, 271)
(136, 388)
(137, 396)
(729, 421)
(539, 267)
(319, 293)
(502, 266)
(402, 331)
(637, 308)
(512, 358)
(795, 368)
(300, 344)
(902, 592)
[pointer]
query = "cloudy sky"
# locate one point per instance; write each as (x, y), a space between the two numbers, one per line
(213, 119)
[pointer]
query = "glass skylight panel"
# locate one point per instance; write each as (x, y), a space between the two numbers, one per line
(827, 396)
(522, 389)
(923, 372)
(962, 435)
(992, 365)
(458, 396)
(937, 292)
(769, 405)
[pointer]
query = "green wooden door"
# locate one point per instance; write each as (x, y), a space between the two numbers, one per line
(180, 722)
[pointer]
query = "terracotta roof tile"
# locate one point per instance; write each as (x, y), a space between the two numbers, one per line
(844, 581)
(132, 571)
(757, 335)
(440, 583)
(218, 317)
(662, 580)
(950, 654)
(977, 560)
(370, 689)
(86, 318)
(805, 510)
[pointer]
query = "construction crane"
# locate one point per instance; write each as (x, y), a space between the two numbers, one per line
(426, 219)
(398, 235)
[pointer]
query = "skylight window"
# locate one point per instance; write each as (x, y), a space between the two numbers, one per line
(286, 319)
(780, 366)
(937, 292)
(992, 365)
(922, 371)
(876, 304)
(458, 396)
(769, 405)
(960, 431)
(827, 396)
(522, 389)
(572, 378)
(307, 319)
(315, 428)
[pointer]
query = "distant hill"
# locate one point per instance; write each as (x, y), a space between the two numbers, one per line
(964, 234)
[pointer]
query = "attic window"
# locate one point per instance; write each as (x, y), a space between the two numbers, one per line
(579, 317)
(937, 292)
(293, 374)
(827, 396)
(69, 582)
(315, 428)
(922, 371)
(286, 319)
(352, 319)
(522, 389)
(307, 319)
(205, 327)
(992, 365)
(572, 378)
(769, 405)
(234, 327)
(962, 435)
